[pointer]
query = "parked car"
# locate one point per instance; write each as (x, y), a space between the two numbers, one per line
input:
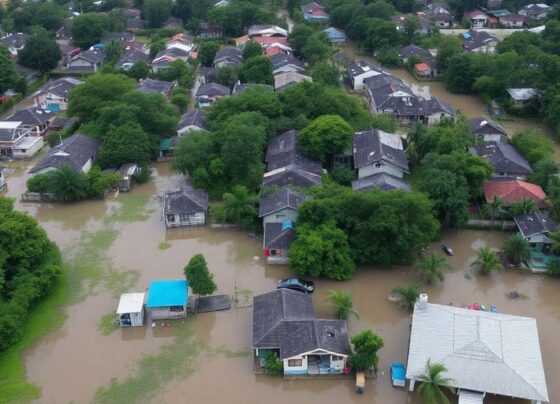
(448, 250)
(398, 372)
(296, 284)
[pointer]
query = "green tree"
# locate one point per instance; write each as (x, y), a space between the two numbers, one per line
(411, 26)
(545, 173)
(181, 101)
(495, 204)
(299, 36)
(553, 267)
(194, 151)
(366, 345)
(341, 303)
(321, 251)
(156, 12)
(533, 145)
(326, 74)
(8, 75)
(87, 29)
(240, 206)
(50, 16)
(125, 144)
(430, 268)
(460, 74)
(68, 184)
(525, 205)
(381, 34)
(487, 261)
(516, 249)
(389, 56)
(325, 136)
(432, 382)
(273, 365)
(448, 48)
(407, 296)
(251, 50)
(40, 53)
(200, 279)
(257, 69)
(138, 71)
(113, 51)
(227, 76)
(207, 52)
(317, 48)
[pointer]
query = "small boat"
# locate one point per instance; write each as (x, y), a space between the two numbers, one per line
(360, 382)
(475, 306)
(494, 308)
(447, 249)
(398, 372)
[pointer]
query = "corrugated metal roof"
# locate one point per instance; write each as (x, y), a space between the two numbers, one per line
(482, 351)
(470, 397)
(168, 293)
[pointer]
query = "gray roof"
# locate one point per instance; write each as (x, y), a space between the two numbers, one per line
(375, 145)
(479, 39)
(285, 320)
(283, 80)
(133, 56)
(360, 67)
(15, 40)
(282, 59)
(482, 351)
(152, 86)
(485, 126)
(436, 105)
(408, 51)
(292, 175)
(32, 116)
(383, 181)
(231, 54)
(187, 200)
(277, 237)
(60, 87)
(135, 23)
(284, 198)
(193, 117)
(521, 94)
(74, 151)
(11, 131)
(242, 87)
(90, 56)
(534, 10)
(211, 89)
(118, 36)
(172, 52)
(207, 72)
(504, 158)
(538, 222)
(283, 150)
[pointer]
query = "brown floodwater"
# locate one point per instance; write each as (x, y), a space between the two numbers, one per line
(71, 364)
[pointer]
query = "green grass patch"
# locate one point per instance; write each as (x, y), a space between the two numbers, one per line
(172, 361)
(134, 208)
(107, 325)
(47, 317)
(119, 282)
(228, 353)
(164, 245)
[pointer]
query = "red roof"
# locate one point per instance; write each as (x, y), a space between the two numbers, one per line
(318, 11)
(193, 55)
(514, 191)
(266, 40)
(422, 67)
(273, 50)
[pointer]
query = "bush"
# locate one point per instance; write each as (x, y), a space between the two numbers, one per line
(143, 175)
(553, 267)
(343, 175)
(533, 145)
(272, 364)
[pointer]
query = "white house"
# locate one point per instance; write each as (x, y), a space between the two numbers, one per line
(282, 318)
(130, 311)
(168, 299)
(521, 96)
(180, 41)
(359, 71)
(488, 130)
(193, 119)
(477, 18)
(185, 207)
(376, 151)
(54, 95)
(16, 140)
(88, 61)
(483, 352)
(15, 42)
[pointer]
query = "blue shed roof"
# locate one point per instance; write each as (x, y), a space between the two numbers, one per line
(168, 293)
(335, 33)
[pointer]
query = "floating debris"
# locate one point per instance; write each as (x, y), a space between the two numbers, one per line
(514, 295)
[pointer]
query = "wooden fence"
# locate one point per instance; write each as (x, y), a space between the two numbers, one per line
(38, 197)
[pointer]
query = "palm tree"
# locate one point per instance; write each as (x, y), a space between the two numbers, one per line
(487, 261)
(68, 184)
(240, 206)
(341, 302)
(516, 249)
(495, 204)
(545, 173)
(555, 236)
(525, 205)
(408, 295)
(430, 267)
(432, 383)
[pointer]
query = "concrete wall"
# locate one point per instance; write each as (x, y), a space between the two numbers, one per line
(164, 313)
(295, 370)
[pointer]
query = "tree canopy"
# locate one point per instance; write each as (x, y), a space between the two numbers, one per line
(325, 136)
(127, 143)
(366, 344)
(40, 53)
(200, 279)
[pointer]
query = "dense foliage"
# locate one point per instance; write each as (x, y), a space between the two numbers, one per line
(366, 344)
(325, 136)
(40, 53)
(29, 267)
(201, 281)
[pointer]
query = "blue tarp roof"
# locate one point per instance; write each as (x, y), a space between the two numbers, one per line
(168, 293)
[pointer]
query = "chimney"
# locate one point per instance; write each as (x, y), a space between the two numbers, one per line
(422, 301)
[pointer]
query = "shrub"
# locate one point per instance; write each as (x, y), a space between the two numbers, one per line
(272, 364)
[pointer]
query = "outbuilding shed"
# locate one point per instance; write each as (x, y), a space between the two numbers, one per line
(131, 310)
(168, 299)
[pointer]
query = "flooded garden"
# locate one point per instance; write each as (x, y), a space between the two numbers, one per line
(121, 245)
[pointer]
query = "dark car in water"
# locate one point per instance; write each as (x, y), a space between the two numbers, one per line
(297, 284)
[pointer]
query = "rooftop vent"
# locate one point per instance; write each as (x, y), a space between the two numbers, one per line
(330, 334)
(422, 300)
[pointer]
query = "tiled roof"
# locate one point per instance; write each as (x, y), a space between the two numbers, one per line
(514, 191)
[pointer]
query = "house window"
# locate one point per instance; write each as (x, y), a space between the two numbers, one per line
(337, 358)
(280, 216)
(184, 216)
(378, 165)
(176, 309)
(171, 218)
(294, 363)
(275, 253)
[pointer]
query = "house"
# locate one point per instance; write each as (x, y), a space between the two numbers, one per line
(127, 172)
(267, 30)
(241, 41)
(284, 322)
(130, 311)
(295, 175)
(287, 79)
(438, 14)
(390, 95)
(209, 93)
(30, 75)
(483, 352)
(437, 110)
(193, 119)
(277, 207)
(134, 24)
(123, 37)
(61, 123)
(206, 74)
(477, 18)
(314, 12)
(221, 3)
(130, 58)
(538, 11)
(166, 57)
(277, 239)
(67, 52)
(206, 30)
(77, 151)
(168, 299)
(282, 151)
(535, 228)
(185, 207)
(15, 42)
(521, 96)
(54, 95)
(505, 159)
(376, 151)
(512, 21)
(229, 56)
(488, 130)
(87, 61)
(335, 35)
(16, 140)
(273, 50)
(423, 70)
(36, 119)
(273, 42)
(479, 42)
(153, 86)
(359, 71)
(423, 55)
(181, 41)
(514, 191)
(381, 180)
(239, 87)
